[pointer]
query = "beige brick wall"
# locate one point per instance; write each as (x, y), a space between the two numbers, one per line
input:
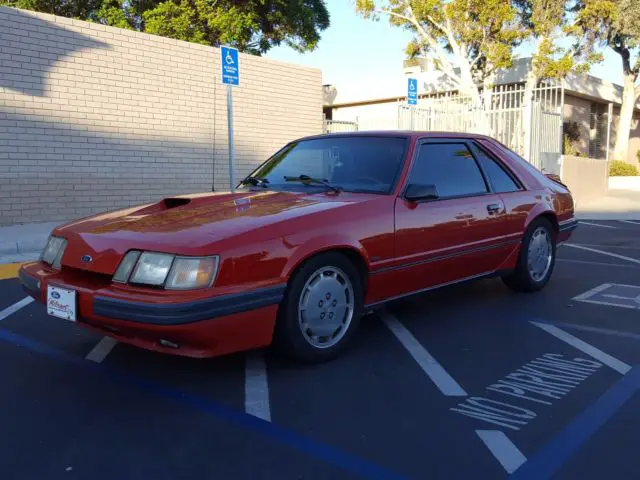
(94, 118)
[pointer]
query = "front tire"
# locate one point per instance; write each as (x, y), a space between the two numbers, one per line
(536, 260)
(321, 310)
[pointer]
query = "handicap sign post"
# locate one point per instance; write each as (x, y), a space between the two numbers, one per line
(412, 91)
(231, 78)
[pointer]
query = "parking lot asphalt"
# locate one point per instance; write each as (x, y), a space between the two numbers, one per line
(468, 381)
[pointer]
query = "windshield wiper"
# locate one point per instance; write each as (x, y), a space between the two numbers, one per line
(308, 180)
(255, 181)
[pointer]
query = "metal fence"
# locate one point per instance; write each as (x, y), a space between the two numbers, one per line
(533, 129)
(336, 126)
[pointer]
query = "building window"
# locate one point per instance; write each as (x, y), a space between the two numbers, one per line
(598, 130)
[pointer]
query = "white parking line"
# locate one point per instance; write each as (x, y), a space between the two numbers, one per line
(595, 224)
(256, 387)
(15, 307)
(101, 350)
(602, 252)
(617, 247)
(599, 264)
(632, 222)
(438, 375)
(503, 449)
(592, 292)
(617, 365)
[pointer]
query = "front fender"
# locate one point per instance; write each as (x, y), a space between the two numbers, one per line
(303, 249)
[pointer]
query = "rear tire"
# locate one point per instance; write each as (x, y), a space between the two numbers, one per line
(536, 260)
(321, 309)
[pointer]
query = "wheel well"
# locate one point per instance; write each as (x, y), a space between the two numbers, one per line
(352, 255)
(552, 219)
(355, 258)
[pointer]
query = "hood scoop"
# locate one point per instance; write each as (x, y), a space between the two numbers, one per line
(173, 202)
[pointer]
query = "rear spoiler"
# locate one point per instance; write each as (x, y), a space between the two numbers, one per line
(555, 178)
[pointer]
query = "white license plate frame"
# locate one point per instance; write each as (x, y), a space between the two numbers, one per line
(62, 302)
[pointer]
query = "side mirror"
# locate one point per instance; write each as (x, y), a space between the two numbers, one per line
(416, 192)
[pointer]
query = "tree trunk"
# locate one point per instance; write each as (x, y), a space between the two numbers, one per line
(621, 149)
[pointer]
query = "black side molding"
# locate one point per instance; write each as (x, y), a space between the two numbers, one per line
(188, 312)
(568, 225)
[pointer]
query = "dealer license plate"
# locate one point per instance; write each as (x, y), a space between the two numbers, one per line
(61, 303)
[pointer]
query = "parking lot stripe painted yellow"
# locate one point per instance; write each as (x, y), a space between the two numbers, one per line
(9, 270)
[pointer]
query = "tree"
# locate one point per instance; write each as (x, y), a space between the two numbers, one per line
(616, 23)
(253, 26)
(470, 39)
(547, 22)
(63, 8)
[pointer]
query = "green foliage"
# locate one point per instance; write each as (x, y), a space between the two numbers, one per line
(113, 14)
(638, 155)
(549, 22)
(64, 8)
(173, 20)
(615, 23)
(618, 168)
(571, 139)
(252, 26)
(481, 34)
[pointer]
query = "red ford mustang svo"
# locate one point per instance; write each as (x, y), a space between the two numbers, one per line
(327, 228)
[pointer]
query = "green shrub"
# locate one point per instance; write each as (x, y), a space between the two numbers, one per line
(618, 168)
(571, 139)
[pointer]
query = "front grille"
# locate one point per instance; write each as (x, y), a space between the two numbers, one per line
(85, 277)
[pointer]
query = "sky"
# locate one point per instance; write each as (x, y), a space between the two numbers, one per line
(354, 50)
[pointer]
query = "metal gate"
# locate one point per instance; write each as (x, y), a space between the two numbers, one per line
(533, 129)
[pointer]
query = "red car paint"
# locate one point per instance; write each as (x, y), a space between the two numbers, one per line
(262, 237)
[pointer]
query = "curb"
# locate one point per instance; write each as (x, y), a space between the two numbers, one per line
(19, 258)
(26, 246)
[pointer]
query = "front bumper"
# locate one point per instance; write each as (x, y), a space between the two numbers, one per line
(202, 327)
(566, 228)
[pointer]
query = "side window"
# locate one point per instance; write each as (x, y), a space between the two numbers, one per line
(450, 167)
(500, 179)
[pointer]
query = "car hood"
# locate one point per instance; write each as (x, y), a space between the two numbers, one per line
(181, 223)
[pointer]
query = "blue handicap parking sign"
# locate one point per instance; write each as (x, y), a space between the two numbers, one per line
(230, 66)
(412, 91)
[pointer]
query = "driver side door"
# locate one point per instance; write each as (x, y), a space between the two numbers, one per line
(459, 235)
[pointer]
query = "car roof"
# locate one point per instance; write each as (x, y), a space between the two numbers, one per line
(397, 133)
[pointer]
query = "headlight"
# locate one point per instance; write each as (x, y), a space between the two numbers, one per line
(152, 268)
(171, 271)
(126, 267)
(53, 251)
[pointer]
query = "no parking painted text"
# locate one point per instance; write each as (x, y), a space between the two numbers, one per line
(547, 378)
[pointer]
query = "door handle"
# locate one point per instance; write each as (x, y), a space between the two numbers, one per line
(493, 208)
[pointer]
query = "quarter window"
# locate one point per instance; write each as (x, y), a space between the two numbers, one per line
(500, 179)
(450, 167)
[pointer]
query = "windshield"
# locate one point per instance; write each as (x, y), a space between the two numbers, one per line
(355, 164)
